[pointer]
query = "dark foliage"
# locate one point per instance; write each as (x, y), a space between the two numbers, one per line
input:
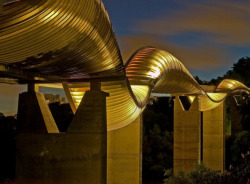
(203, 175)
(201, 82)
(245, 111)
(240, 72)
(62, 114)
(236, 145)
(8, 147)
(157, 138)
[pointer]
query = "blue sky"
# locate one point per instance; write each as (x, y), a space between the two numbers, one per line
(207, 36)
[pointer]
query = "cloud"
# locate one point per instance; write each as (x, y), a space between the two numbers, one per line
(9, 97)
(223, 22)
(10, 90)
(193, 57)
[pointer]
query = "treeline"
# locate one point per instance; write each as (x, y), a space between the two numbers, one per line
(158, 128)
(157, 138)
(240, 71)
(8, 147)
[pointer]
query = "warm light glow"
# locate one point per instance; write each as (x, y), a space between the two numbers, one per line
(155, 73)
(140, 91)
(191, 98)
(77, 93)
(77, 97)
(78, 101)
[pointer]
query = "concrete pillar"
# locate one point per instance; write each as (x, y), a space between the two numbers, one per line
(34, 114)
(90, 122)
(77, 156)
(214, 138)
(34, 122)
(187, 127)
(125, 154)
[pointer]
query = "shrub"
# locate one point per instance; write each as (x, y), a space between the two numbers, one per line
(180, 178)
(203, 175)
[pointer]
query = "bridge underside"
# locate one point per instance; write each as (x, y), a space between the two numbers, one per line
(113, 156)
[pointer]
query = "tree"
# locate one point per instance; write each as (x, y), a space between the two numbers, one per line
(240, 72)
(8, 146)
(201, 82)
(62, 114)
(157, 139)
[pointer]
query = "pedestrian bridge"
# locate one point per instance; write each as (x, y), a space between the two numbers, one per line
(72, 45)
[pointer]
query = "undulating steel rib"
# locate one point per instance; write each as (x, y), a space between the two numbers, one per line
(67, 39)
(75, 40)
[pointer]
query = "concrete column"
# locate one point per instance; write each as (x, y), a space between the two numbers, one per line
(77, 156)
(125, 154)
(187, 127)
(90, 121)
(34, 122)
(34, 114)
(214, 138)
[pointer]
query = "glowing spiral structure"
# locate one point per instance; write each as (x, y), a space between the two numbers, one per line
(73, 42)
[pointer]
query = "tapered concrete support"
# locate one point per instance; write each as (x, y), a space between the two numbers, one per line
(187, 130)
(214, 138)
(34, 121)
(125, 154)
(90, 122)
(34, 114)
(77, 156)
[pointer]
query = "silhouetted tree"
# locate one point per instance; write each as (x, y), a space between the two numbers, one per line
(201, 82)
(245, 112)
(157, 138)
(240, 72)
(236, 145)
(8, 146)
(62, 114)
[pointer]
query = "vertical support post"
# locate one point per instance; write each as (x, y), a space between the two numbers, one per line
(125, 154)
(90, 123)
(35, 121)
(187, 130)
(33, 112)
(77, 156)
(214, 138)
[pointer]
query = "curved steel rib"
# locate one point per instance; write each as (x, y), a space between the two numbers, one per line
(59, 38)
(76, 41)
(152, 69)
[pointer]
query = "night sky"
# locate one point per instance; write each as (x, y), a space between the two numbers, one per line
(206, 36)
